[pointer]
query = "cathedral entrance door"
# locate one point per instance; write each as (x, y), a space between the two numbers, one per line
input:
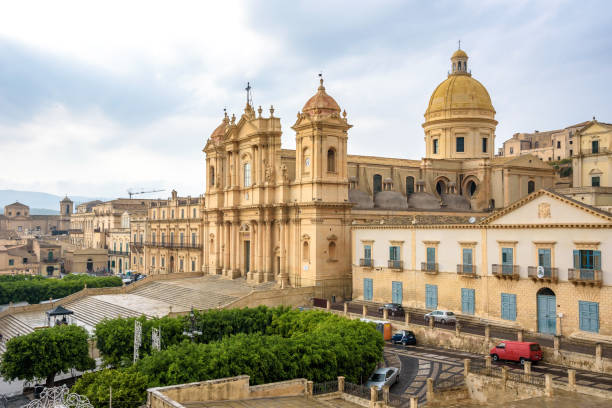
(247, 256)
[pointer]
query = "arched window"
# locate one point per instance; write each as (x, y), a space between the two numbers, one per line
(331, 160)
(332, 250)
(212, 176)
(441, 187)
(459, 65)
(409, 185)
(377, 183)
(305, 252)
(247, 174)
(471, 188)
(530, 186)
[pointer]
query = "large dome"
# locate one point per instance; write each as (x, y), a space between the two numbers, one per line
(459, 92)
(321, 102)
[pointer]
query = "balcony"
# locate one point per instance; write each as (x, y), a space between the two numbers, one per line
(466, 270)
(585, 276)
(119, 253)
(546, 273)
(429, 267)
(49, 260)
(397, 265)
(601, 150)
(505, 271)
(173, 245)
(366, 262)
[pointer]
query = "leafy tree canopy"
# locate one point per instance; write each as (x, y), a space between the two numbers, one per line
(46, 353)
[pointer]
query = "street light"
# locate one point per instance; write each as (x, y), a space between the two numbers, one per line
(192, 332)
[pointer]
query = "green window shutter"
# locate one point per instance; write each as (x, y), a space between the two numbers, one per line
(597, 260)
(431, 255)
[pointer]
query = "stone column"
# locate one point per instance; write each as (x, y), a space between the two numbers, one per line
(385, 314)
(519, 335)
(309, 388)
(268, 252)
(556, 345)
(340, 384)
(328, 304)
(466, 366)
(598, 357)
(504, 371)
(571, 380)
(260, 243)
(283, 254)
(488, 361)
(237, 249)
(487, 334)
(414, 402)
(232, 249)
(386, 394)
(527, 368)
(457, 329)
(373, 394)
(364, 310)
(285, 263)
(431, 322)
(558, 333)
(549, 384)
(407, 317)
(345, 308)
(430, 390)
(252, 249)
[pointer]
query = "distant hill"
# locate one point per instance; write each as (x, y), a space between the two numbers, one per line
(39, 202)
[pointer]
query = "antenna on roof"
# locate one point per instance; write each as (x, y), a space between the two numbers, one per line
(249, 97)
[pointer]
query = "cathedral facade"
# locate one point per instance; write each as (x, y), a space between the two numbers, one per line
(273, 214)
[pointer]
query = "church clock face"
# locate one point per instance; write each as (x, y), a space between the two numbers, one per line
(308, 162)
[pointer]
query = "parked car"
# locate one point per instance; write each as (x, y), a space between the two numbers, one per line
(392, 308)
(520, 351)
(405, 337)
(382, 377)
(442, 316)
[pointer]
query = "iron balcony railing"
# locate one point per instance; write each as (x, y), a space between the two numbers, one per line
(429, 267)
(174, 245)
(466, 269)
(49, 260)
(584, 275)
(395, 264)
(601, 150)
(366, 262)
(118, 253)
(325, 387)
(506, 271)
(544, 273)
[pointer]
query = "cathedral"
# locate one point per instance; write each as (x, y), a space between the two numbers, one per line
(273, 214)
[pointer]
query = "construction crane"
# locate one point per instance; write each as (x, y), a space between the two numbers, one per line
(131, 192)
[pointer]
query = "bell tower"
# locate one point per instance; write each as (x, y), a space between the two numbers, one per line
(321, 156)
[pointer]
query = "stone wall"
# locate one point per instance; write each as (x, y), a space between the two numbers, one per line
(275, 297)
(224, 389)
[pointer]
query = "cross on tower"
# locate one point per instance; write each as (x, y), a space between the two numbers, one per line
(459, 44)
(248, 95)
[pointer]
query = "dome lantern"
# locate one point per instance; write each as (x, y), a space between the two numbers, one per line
(459, 61)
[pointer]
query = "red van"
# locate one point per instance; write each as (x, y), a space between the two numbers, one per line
(517, 351)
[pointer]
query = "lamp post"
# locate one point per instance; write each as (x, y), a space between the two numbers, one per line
(192, 332)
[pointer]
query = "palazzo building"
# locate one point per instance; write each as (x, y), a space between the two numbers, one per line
(285, 215)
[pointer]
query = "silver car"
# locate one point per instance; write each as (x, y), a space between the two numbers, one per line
(382, 377)
(442, 316)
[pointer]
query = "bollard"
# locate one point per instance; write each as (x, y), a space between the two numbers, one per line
(328, 305)
(488, 361)
(430, 390)
(466, 366)
(519, 335)
(385, 314)
(487, 334)
(309, 388)
(345, 308)
(527, 368)
(504, 370)
(431, 322)
(571, 380)
(598, 360)
(373, 394)
(558, 333)
(386, 394)
(556, 345)
(414, 402)
(549, 384)
(407, 318)
(364, 310)
(341, 384)
(457, 329)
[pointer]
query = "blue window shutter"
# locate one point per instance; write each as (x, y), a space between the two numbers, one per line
(508, 306)
(431, 296)
(576, 259)
(467, 256)
(597, 260)
(431, 255)
(512, 307)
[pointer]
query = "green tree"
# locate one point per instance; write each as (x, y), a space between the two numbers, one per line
(46, 353)
(129, 388)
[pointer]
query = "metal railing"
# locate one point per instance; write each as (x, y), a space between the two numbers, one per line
(584, 275)
(511, 271)
(526, 378)
(49, 260)
(454, 381)
(429, 267)
(546, 273)
(394, 264)
(118, 253)
(466, 269)
(325, 387)
(366, 262)
(398, 400)
(174, 245)
(357, 390)
(600, 150)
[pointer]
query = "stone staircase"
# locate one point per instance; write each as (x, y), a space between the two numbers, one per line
(91, 311)
(183, 296)
(10, 327)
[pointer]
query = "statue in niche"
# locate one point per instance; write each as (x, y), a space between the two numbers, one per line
(284, 172)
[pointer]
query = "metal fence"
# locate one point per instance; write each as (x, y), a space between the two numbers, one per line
(454, 381)
(398, 400)
(479, 367)
(357, 390)
(325, 387)
(526, 379)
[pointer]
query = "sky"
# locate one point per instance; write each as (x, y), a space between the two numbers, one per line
(99, 97)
